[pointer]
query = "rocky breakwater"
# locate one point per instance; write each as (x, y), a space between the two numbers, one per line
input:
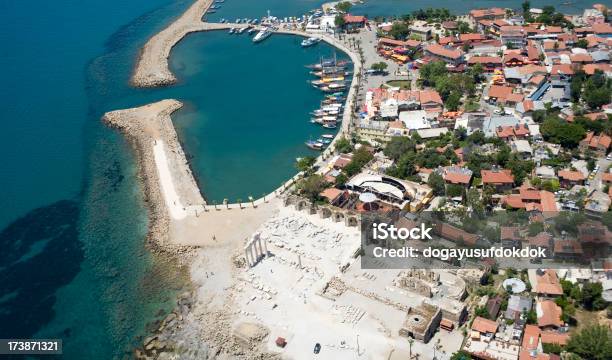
(144, 126)
(152, 66)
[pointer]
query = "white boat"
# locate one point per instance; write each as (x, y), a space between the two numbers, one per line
(310, 41)
(327, 136)
(329, 125)
(222, 21)
(231, 31)
(314, 145)
(238, 21)
(262, 35)
(251, 31)
(242, 30)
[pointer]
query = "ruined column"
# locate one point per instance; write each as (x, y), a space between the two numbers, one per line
(246, 255)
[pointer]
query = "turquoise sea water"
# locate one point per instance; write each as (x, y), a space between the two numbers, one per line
(73, 263)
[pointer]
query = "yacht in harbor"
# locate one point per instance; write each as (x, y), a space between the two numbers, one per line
(314, 145)
(262, 34)
(310, 41)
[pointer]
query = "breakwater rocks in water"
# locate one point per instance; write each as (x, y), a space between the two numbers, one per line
(144, 126)
(152, 67)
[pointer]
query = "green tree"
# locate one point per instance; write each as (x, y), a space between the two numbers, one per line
(404, 167)
(344, 6)
(398, 146)
(558, 131)
(312, 186)
(339, 21)
(606, 219)
(461, 355)
(379, 67)
(399, 30)
(436, 183)
(552, 348)
(591, 293)
(453, 101)
(582, 43)
(343, 145)
(592, 342)
(305, 163)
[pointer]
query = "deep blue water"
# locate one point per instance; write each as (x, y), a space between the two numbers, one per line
(73, 263)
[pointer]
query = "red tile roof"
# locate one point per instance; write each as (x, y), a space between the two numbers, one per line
(590, 69)
(562, 69)
(531, 337)
(553, 337)
(550, 314)
(457, 175)
(604, 28)
(548, 283)
(348, 18)
(500, 92)
(497, 176)
(597, 141)
(571, 175)
(492, 12)
(485, 60)
(452, 233)
(483, 325)
(439, 50)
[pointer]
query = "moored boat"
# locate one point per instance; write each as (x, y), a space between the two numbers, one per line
(310, 41)
(314, 145)
(329, 125)
(327, 136)
(262, 35)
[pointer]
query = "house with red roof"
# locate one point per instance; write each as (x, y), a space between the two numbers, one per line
(448, 55)
(569, 178)
(354, 22)
(455, 234)
(516, 132)
(547, 283)
(487, 14)
(489, 63)
(457, 175)
(600, 144)
(500, 179)
(531, 200)
(549, 314)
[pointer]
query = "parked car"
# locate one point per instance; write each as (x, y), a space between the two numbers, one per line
(317, 348)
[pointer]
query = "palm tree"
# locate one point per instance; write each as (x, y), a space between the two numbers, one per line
(240, 203)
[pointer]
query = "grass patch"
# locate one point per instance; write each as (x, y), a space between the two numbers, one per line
(402, 84)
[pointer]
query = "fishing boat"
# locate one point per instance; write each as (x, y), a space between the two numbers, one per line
(232, 30)
(327, 136)
(314, 145)
(330, 72)
(310, 41)
(211, 11)
(251, 31)
(332, 87)
(262, 35)
(330, 126)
